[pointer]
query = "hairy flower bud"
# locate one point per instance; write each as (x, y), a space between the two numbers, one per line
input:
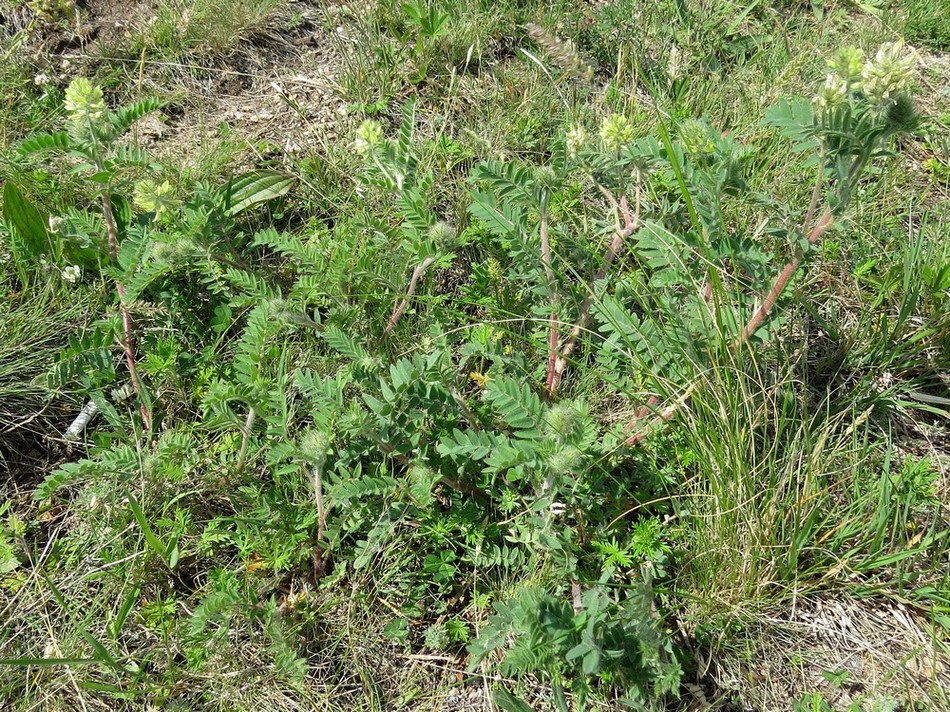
(314, 446)
(562, 52)
(566, 460)
(442, 234)
(564, 422)
(616, 131)
(832, 92)
(696, 138)
(847, 64)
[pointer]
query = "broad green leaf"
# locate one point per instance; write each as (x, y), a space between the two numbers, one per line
(252, 188)
(151, 538)
(795, 120)
(29, 224)
(508, 702)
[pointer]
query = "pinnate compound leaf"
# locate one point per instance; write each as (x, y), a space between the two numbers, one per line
(56, 141)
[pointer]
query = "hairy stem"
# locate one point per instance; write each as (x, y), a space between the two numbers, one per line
(127, 338)
(783, 279)
(413, 281)
(552, 355)
(630, 221)
(246, 436)
(317, 475)
(548, 263)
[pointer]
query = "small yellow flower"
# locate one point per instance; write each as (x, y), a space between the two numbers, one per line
(478, 378)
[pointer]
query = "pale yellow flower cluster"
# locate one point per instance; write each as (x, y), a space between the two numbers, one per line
(880, 79)
(616, 131)
(85, 107)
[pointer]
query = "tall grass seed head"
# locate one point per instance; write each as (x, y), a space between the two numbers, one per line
(368, 136)
(152, 197)
(575, 141)
(562, 52)
(85, 106)
(616, 131)
(674, 64)
(888, 74)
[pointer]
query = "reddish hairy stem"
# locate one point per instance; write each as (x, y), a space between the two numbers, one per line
(769, 303)
(413, 281)
(552, 354)
(547, 260)
(127, 340)
(630, 221)
(824, 222)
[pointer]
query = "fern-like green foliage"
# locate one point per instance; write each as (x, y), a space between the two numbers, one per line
(620, 640)
(125, 117)
(517, 405)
